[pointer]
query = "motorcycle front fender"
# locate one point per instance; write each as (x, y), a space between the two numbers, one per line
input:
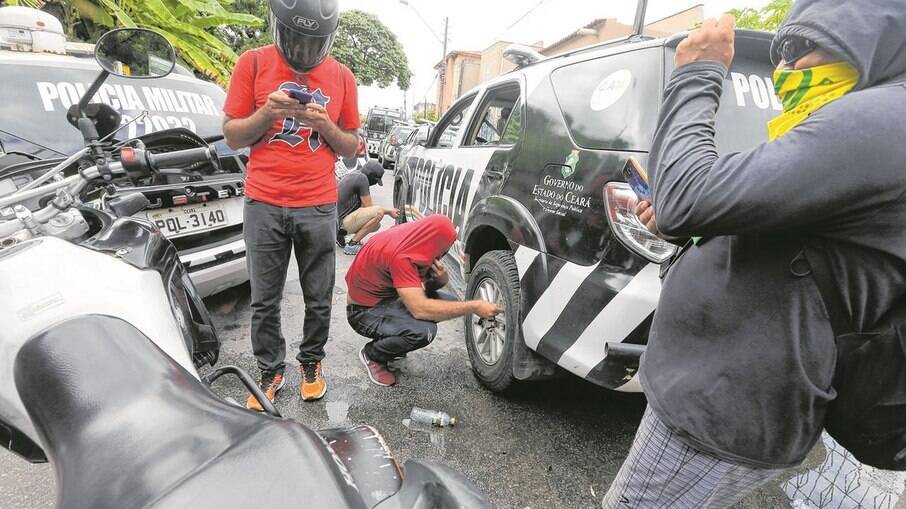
(433, 486)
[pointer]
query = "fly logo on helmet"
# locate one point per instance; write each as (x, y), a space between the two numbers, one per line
(306, 23)
(304, 31)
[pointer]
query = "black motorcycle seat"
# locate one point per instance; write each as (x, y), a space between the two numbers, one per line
(125, 426)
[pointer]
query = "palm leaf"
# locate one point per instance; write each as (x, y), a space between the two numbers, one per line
(118, 13)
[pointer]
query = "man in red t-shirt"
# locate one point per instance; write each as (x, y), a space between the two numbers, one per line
(297, 108)
(393, 297)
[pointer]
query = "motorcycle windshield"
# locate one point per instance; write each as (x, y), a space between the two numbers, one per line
(38, 89)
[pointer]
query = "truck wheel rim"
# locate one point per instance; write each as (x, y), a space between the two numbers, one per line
(489, 337)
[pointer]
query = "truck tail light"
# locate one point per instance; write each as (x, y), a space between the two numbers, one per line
(621, 202)
(394, 140)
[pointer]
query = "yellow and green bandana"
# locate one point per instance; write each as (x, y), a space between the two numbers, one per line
(805, 91)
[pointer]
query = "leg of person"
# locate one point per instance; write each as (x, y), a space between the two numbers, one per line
(661, 471)
(268, 248)
(316, 257)
(360, 223)
(365, 321)
(397, 334)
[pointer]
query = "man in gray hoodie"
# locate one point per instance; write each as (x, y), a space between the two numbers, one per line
(741, 354)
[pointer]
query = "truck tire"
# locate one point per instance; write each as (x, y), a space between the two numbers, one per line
(491, 349)
(399, 200)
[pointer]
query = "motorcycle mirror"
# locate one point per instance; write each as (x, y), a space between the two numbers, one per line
(422, 141)
(135, 53)
(105, 119)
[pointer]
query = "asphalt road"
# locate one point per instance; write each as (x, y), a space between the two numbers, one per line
(556, 445)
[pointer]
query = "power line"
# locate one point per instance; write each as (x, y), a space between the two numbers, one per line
(519, 20)
(423, 20)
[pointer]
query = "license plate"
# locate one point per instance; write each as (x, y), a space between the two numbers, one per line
(179, 221)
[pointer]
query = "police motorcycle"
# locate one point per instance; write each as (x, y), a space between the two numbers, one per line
(102, 333)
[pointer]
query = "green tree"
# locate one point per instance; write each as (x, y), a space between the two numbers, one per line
(187, 24)
(372, 51)
(240, 37)
(767, 18)
(431, 115)
(363, 43)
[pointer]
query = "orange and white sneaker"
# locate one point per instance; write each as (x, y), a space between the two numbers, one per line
(270, 384)
(313, 384)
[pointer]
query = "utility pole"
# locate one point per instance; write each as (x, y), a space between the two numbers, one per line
(443, 65)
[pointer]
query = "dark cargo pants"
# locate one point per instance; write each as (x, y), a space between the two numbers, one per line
(271, 234)
(393, 330)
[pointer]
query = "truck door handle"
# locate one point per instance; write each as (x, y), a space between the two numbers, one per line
(494, 173)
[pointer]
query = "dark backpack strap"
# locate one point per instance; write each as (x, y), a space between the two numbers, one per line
(815, 255)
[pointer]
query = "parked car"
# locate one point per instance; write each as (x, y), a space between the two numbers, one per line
(44, 76)
(377, 124)
(396, 136)
(417, 137)
(528, 167)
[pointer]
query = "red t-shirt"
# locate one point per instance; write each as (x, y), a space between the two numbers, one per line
(398, 258)
(291, 166)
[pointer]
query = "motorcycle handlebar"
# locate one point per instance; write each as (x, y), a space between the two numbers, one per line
(140, 163)
(133, 162)
(180, 158)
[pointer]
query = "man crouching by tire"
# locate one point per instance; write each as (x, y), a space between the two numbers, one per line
(393, 293)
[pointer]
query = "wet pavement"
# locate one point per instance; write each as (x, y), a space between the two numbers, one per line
(554, 445)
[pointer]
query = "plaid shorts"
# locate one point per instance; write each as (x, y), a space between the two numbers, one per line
(663, 472)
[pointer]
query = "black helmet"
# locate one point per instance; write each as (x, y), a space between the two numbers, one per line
(304, 30)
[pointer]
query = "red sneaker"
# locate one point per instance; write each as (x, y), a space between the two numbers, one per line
(377, 372)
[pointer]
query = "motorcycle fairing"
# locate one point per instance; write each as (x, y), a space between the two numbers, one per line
(143, 246)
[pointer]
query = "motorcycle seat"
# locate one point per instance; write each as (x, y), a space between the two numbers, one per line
(124, 425)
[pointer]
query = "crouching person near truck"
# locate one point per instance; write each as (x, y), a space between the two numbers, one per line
(359, 216)
(393, 293)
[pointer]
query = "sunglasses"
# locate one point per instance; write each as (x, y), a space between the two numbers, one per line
(790, 49)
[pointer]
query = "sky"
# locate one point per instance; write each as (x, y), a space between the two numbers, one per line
(476, 24)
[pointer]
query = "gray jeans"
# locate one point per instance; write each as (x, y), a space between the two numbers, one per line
(392, 328)
(271, 234)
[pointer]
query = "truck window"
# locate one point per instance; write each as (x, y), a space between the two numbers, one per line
(611, 102)
(449, 125)
(493, 116)
(379, 123)
(748, 101)
(36, 98)
(513, 130)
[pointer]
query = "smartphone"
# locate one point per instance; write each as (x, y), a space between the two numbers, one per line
(637, 178)
(299, 95)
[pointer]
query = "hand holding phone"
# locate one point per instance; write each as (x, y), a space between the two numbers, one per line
(637, 178)
(299, 95)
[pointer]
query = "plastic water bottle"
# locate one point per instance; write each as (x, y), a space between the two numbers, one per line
(432, 417)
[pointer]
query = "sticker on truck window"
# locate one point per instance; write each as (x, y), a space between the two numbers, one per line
(755, 90)
(610, 90)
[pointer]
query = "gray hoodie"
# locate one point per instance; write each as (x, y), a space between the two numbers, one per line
(741, 354)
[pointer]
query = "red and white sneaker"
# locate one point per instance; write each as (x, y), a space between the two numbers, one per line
(377, 372)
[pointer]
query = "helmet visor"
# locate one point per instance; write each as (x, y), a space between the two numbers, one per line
(301, 51)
